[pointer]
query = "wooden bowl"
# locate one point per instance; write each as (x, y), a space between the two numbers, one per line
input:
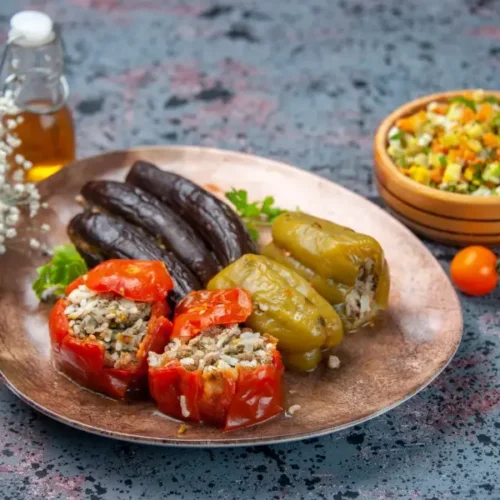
(451, 218)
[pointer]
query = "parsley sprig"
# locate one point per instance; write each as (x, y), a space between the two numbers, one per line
(255, 214)
(466, 102)
(65, 266)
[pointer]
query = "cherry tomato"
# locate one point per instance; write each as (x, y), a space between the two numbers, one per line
(473, 270)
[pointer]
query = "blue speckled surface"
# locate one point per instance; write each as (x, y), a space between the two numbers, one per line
(306, 82)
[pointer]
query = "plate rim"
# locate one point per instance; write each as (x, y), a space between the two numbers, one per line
(235, 442)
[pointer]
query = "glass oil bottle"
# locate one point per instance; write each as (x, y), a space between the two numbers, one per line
(32, 68)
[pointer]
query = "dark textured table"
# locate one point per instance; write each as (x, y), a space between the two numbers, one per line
(305, 82)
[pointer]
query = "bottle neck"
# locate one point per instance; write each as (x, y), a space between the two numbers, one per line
(35, 75)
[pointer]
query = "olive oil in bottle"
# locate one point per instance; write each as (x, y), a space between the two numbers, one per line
(34, 67)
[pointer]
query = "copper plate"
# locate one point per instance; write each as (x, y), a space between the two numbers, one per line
(380, 367)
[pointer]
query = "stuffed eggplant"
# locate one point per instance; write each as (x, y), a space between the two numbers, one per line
(346, 267)
(117, 239)
(144, 210)
(221, 228)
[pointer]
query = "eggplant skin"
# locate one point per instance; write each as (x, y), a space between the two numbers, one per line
(144, 210)
(117, 239)
(91, 255)
(220, 226)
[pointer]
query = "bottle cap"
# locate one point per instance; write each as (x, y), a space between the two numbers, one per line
(30, 28)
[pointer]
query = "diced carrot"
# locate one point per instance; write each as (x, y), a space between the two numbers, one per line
(467, 115)
(491, 140)
(453, 156)
(412, 123)
(498, 153)
(441, 109)
(436, 175)
(405, 124)
(436, 147)
(469, 95)
(468, 155)
(485, 113)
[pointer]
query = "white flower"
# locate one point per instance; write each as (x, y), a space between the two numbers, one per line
(35, 244)
(16, 198)
(11, 219)
(18, 176)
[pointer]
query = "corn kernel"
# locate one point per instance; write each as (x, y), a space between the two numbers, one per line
(419, 174)
(474, 145)
(469, 173)
(474, 130)
(450, 140)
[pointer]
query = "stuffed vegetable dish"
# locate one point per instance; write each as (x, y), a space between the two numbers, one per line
(176, 304)
(220, 372)
(347, 268)
(111, 317)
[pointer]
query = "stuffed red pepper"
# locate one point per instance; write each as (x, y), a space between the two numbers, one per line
(110, 319)
(213, 370)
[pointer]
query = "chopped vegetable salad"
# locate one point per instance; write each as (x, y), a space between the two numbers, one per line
(453, 146)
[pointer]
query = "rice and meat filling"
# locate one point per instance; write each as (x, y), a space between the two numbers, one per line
(360, 301)
(118, 324)
(218, 348)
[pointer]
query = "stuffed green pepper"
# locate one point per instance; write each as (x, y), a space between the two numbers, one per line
(347, 268)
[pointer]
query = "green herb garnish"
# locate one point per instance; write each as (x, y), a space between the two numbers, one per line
(65, 266)
(427, 150)
(442, 160)
(396, 137)
(466, 102)
(491, 99)
(496, 121)
(255, 214)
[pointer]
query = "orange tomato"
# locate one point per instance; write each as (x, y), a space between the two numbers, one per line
(473, 270)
